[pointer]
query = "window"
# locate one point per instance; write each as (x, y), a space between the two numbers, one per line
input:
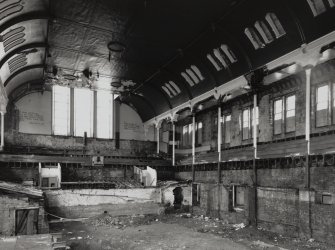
(263, 35)
(278, 116)
(104, 115)
(275, 24)
(229, 53)
(61, 110)
(192, 75)
(317, 7)
(253, 122)
(290, 114)
(322, 105)
(213, 62)
(223, 57)
(284, 115)
(246, 124)
(226, 124)
(83, 112)
(253, 38)
(199, 133)
(220, 58)
(171, 89)
(264, 31)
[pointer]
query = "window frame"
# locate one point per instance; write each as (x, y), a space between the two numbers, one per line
(330, 104)
(69, 114)
(284, 117)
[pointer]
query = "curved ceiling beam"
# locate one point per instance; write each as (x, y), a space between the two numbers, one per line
(146, 101)
(20, 49)
(182, 83)
(296, 22)
(159, 90)
(21, 70)
(24, 17)
(29, 84)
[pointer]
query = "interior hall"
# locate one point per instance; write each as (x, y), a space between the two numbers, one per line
(176, 124)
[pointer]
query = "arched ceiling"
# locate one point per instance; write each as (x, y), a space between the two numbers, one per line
(158, 40)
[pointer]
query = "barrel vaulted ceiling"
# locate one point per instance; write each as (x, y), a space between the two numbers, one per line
(157, 54)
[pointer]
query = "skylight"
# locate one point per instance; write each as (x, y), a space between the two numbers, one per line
(264, 31)
(223, 57)
(192, 75)
(275, 24)
(317, 7)
(171, 89)
(260, 34)
(213, 62)
(253, 37)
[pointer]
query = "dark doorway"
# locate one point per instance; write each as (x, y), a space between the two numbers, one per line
(178, 197)
(26, 221)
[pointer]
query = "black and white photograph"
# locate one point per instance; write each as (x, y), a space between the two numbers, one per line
(167, 124)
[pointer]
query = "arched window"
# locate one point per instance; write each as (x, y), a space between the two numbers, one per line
(218, 55)
(187, 78)
(317, 6)
(229, 53)
(213, 62)
(253, 37)
(275, 24)
(197, 72)
(264, 31)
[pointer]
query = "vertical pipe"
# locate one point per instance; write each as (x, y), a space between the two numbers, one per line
(173, 143)
(2, 130)
(219, 143)
(307, 123)
(157, 135)
(254, 159)
(255, 126)
(219, 133)
(193, 138)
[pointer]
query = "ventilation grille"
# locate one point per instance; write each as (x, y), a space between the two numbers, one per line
(17, 62)
(13, 38)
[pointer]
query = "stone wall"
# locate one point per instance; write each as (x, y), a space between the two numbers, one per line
(8, 206)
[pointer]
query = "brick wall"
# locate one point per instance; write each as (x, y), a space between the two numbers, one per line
(284, 204)
(8, 205)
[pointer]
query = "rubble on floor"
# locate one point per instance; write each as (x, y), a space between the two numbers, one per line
(248, 236)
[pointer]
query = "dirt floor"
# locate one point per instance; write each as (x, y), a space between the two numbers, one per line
(172, 231)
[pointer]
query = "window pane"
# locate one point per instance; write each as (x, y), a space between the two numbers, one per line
(245, 124)
(317, 6)
(227, 128)
(83, 112)
(104, 115)
(61, 110)
(322, 99)
(278, 116)
(290, 114)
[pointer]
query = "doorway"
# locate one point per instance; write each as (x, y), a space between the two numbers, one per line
(26, 221)
(178, 197)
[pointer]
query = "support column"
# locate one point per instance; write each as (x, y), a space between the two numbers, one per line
(253, 196)
(157, 137)
(2, 131)
(219, 143)
(193, 138)
(307, 122)
(173, 144)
